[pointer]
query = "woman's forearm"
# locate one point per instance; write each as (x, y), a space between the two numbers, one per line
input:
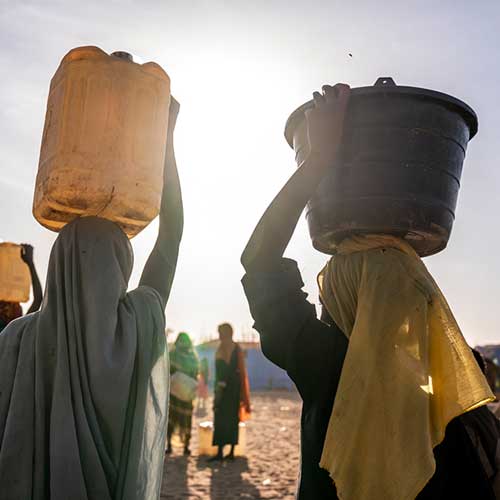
(159, 270)
(275, 228)
(37, 289)
(325, 122)
(172, 210)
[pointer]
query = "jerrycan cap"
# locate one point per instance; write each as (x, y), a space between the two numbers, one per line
(150, 67)
(127, 56)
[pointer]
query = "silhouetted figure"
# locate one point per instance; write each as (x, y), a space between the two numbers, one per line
(232, 396)
(83, 382)
(12, 310)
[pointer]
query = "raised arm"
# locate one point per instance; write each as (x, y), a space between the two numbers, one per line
(27, 256)
(273, 232)
(160, 267)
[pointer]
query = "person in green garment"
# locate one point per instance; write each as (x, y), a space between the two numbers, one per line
(183, 359)
(84, 381)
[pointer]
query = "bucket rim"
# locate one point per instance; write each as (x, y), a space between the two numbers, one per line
(467, 113)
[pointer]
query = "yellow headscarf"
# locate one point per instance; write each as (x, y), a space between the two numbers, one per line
(408, 370)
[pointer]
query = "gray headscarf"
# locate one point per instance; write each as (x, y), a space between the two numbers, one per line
(84, 381)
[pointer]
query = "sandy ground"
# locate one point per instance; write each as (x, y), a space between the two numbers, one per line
(269, 470)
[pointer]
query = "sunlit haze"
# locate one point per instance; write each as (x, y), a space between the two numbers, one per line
(239, 69)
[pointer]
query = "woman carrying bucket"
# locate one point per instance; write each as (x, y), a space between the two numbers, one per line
(386, 374)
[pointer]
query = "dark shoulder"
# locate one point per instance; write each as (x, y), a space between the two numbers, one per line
(460, 470)
(146, 298)
(145, 292)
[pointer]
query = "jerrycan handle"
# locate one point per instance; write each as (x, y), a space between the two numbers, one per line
(385, 81)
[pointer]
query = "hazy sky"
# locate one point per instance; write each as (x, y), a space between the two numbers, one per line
(239, 68)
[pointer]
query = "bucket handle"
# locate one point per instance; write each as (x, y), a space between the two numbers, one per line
(385, 81)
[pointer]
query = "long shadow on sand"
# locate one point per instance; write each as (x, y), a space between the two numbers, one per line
(176, 469)
(227, 481)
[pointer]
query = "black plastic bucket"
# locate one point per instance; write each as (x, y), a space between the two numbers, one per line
(400, 166)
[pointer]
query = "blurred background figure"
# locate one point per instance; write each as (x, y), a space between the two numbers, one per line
(12, 310)
(202, 393)
(232, 392)
(184, 367)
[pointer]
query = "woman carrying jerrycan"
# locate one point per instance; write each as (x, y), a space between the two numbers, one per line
(9, 310)
(84, 381)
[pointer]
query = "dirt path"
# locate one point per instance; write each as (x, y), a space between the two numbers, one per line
(268, 471)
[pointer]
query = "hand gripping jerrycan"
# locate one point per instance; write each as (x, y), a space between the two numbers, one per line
(103, 144)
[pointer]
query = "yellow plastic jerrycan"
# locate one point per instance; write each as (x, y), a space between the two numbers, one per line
(15, 279)
(103, 144)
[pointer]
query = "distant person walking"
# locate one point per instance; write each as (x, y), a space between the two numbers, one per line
(232, 392)
(184, 365)
(202, 392)
(10, 311)
(83, 382)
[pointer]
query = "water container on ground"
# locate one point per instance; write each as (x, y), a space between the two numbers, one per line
(15, 279)
(103, 144)
(399, 168)
(205, 436)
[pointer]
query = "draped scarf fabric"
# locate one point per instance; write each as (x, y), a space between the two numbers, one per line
(84, 381)
(184, 359)
(407, 373)
(225, 351)
(245, 410)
